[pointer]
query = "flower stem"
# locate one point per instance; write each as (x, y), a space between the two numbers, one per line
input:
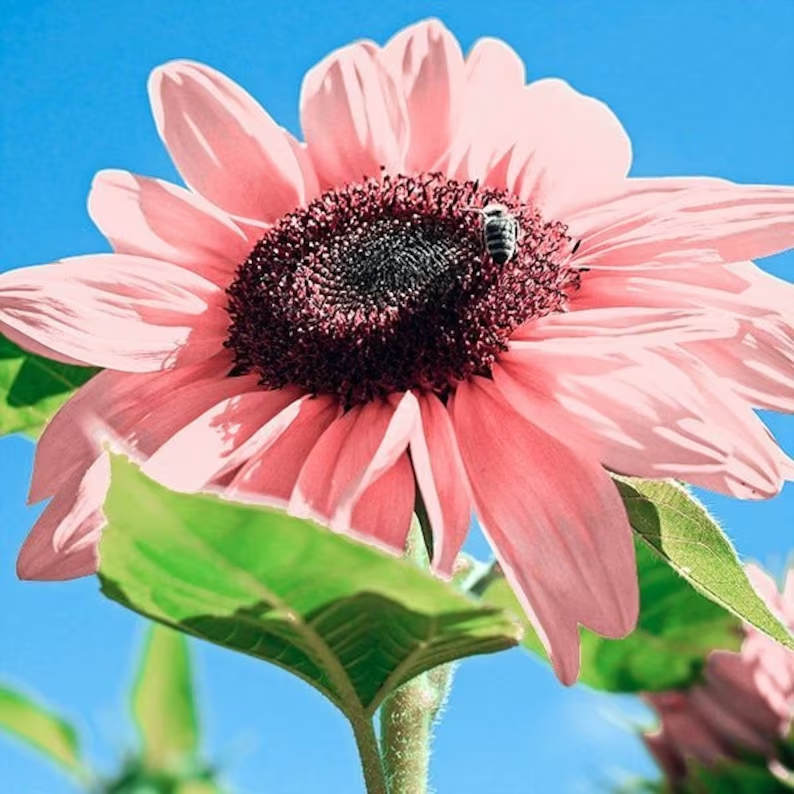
(371, 764)
(407, 716)
(406, 732)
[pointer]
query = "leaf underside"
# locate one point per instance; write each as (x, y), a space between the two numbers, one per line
(352, 621)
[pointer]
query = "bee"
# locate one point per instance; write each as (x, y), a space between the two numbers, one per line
(500, 232)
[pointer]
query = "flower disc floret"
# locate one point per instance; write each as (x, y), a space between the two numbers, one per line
(385, 285)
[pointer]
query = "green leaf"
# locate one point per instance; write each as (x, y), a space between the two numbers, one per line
(727, 777)
(34, 724)
(135, 777)
(197, 787)
(163, 703)
(676, 630)
(733, 778)
(678, 528)
(33, 388)
(694, 595)
(353, 622)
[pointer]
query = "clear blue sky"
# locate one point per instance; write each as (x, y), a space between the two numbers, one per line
(703, 87)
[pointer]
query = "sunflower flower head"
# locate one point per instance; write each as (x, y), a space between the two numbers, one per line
(450, 285)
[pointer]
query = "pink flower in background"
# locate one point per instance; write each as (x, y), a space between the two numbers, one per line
(744, 705)
(321, 325)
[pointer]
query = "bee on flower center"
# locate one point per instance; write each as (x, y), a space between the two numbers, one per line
(500, 232)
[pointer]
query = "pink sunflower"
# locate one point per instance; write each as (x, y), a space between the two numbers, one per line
(745, 704)
(325, 324)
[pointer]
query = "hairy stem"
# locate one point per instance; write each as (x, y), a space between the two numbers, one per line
(407, 719)
(407, 716)
(371, 763)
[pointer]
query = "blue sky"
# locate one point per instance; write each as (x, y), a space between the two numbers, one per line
(703, 87)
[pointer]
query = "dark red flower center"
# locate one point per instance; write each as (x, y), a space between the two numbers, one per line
(388, 285)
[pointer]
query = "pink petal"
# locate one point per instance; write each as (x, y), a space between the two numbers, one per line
(569, 149)
(788, 595)
(666, 754)
(116, 311)
(737, 221)
(152, 218)
(494, 77)
(354, 116)
(726, 723)
(763, 293)
(426, 62)
(555, 521)
(703, 283)
(383, 513)
(138, 413)
(32, 346)
(225, 146)
(63, 542)
(442, 481)
(772, 668)
(764, 585)
(642, 193)
(684, 730)
(729, 673)
(773, 678)
(731, 680)
(757, 358)
(194, 455)
(757, 362)
(269, 463)
(357, 448)
(621, 329)
(490, 62)
(644, 415)
(143, 410)
(70, 444)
